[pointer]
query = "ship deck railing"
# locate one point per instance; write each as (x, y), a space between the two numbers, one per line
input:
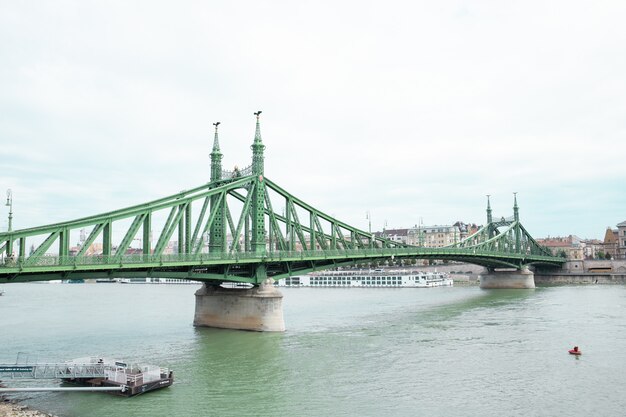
(72, 370)
(54, 370)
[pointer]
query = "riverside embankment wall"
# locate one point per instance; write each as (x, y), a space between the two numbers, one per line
(562, 279)
(584, 272)
(572, 273)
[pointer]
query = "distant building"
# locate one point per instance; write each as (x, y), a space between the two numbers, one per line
(592, 248)
(466, 229)
(610, 244)
(397, 235)
(92, 250)
(171, 248)
(430, 236)
(621, 238)
(571, 246)
(434, 236)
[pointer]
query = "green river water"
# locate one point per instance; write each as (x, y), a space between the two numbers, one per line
(458, 351)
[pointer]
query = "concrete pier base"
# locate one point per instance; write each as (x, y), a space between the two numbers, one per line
(258, 309)
(508, 279)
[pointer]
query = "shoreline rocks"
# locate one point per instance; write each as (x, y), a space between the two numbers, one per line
(10, 408)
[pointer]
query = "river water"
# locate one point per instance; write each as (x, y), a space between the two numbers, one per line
(347, 352)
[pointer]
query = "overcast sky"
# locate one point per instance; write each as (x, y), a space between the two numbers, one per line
(405, 109)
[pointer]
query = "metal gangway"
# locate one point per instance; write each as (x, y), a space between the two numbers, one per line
(54, 371)
(65, 370)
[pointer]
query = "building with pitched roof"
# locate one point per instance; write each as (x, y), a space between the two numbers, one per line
(435, 236)
(571, 245)
(397, 235)
(611, 242)
(592, 248)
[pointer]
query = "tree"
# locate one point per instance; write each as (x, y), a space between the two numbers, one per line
(607, 256)
(562, 254)
(600, 255)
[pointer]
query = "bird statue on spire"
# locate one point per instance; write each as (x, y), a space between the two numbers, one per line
(216, 157)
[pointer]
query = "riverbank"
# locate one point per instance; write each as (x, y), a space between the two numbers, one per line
(578, 279)
(11, 409)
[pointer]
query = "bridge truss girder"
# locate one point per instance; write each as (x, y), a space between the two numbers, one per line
(243, 267)
(298, 239)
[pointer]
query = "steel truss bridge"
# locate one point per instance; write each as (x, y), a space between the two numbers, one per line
(239, 227)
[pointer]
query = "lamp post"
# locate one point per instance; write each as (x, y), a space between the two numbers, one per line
(369, 228)
(9, 204)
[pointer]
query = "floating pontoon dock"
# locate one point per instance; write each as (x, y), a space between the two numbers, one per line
(93, 373)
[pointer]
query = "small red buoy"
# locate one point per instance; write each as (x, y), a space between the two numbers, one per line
(575, 351)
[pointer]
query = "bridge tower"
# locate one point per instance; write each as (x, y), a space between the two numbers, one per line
(490, 227)
(507, 278)
(218, 228)
(258, 195)
(259, 308)
(517, 226)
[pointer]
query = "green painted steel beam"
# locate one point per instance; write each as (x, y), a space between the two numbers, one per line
(147, 234)
(45, 245)
(244, 214)
(133, 262)
(217, 212)
(274, 187)
(106, 238)
(130, 235)
(199, 223)
(90, 239)
(156, 205)
(167, 231)
(500, 243)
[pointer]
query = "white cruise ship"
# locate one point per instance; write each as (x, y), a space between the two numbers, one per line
(369, 278)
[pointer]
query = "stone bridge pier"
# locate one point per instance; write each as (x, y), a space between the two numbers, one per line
(257, 309)
(509, 278)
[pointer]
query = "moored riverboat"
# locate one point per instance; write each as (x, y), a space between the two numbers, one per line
(369, 278)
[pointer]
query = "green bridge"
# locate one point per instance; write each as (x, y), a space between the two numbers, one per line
(239, 227)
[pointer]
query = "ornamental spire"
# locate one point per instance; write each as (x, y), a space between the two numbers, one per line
(216, 157)
(515, 207)
(257, 148)
(216, 142)
(489, 219)
(257, 133)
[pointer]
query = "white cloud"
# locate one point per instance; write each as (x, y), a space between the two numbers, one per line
(406, 109)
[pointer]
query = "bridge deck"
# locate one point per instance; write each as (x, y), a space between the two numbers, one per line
(217, 265)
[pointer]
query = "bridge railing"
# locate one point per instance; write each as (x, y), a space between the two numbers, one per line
(234, 257)
(237, 172)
